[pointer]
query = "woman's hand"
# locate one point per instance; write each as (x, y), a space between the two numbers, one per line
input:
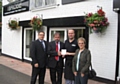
(82, 75)
(36, 65)
(75, 73)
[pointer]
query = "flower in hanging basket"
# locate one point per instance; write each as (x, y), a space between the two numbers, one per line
(13, 24)
(36, 23)
(97, 22)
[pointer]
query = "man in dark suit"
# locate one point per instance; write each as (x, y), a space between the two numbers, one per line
(55, 62)
(38, 53)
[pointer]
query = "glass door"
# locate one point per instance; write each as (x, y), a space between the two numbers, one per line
(28, 38)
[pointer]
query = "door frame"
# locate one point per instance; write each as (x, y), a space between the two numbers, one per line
(25, 58)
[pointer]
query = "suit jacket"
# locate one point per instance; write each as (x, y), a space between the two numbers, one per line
(38, 53)
(84, 61)
(52, 53)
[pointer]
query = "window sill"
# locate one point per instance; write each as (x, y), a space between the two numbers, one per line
(44, 8)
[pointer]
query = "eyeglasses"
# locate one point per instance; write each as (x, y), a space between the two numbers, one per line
(41, 34)
(80, 43)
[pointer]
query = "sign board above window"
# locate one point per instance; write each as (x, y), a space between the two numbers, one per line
(70, 1)
(16, 7)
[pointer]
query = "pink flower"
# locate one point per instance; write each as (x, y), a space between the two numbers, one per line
(94, 28)
(95, 21)
(91, 25)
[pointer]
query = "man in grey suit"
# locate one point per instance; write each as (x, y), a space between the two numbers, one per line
(38, 53)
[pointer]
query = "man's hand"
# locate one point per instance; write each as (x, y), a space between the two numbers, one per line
(59, 53)
(75, 73)
(36, 65)
(63, 56)
(82, 75)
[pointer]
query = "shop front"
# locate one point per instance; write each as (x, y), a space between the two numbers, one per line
(58, 25)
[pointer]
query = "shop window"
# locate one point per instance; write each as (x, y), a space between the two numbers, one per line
(41, 4)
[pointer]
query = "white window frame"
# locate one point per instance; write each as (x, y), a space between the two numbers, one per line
(42, 7)
(61, 29)
(57, 29)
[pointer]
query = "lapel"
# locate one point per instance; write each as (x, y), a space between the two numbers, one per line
(40, 44)
(54, 45)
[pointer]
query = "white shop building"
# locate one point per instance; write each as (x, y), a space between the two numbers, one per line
(58, 16)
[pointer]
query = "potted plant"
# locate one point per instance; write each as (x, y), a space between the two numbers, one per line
(36, 23)
(97, 22)
(13, 24)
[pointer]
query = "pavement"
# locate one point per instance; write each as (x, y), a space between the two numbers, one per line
(26, 68)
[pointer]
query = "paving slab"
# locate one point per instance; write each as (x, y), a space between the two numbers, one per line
(26, 68)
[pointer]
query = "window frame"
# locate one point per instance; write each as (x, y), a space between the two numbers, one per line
(33, 6)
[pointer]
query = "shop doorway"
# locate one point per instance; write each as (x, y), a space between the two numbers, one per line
(28, 38)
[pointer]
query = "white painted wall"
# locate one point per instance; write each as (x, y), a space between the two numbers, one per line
(11, 40)
(103, 47)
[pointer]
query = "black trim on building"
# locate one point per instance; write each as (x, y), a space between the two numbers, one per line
(103, 80)
(75, 21)
(116, 5)
(23, 44)
(118, 48)
(70, 1)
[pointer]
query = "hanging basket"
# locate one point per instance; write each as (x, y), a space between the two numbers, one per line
(13, 24)
(36, 23)
(97, 22)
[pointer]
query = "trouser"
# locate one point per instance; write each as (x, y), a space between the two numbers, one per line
(56, 78)
(81, 80)
(38, 72)
(69, 81)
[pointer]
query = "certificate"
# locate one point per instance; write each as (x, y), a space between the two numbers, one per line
(63, 51)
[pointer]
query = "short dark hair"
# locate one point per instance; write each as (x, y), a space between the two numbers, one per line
(56, 33)
(71, 29)
(41, 32)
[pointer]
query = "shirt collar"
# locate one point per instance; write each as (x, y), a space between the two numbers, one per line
(41, 40)
(57, 42)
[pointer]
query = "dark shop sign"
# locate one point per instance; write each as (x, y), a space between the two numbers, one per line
(16, 7)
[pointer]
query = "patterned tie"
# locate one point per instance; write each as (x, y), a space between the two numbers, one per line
(57, 57)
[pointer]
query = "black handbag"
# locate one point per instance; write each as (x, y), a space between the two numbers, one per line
(92, 72)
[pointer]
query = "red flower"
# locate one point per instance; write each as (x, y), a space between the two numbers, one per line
(101, 12)
(90, 14)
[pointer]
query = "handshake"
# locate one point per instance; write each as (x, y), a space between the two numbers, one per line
(62, 53)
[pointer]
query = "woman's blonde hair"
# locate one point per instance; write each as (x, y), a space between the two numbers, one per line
(81, 39)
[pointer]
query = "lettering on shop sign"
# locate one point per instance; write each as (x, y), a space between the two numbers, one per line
(16, 7)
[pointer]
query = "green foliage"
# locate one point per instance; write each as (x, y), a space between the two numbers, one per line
(36, 23)
(13, 24)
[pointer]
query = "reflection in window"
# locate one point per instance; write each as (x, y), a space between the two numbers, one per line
(41, 3)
